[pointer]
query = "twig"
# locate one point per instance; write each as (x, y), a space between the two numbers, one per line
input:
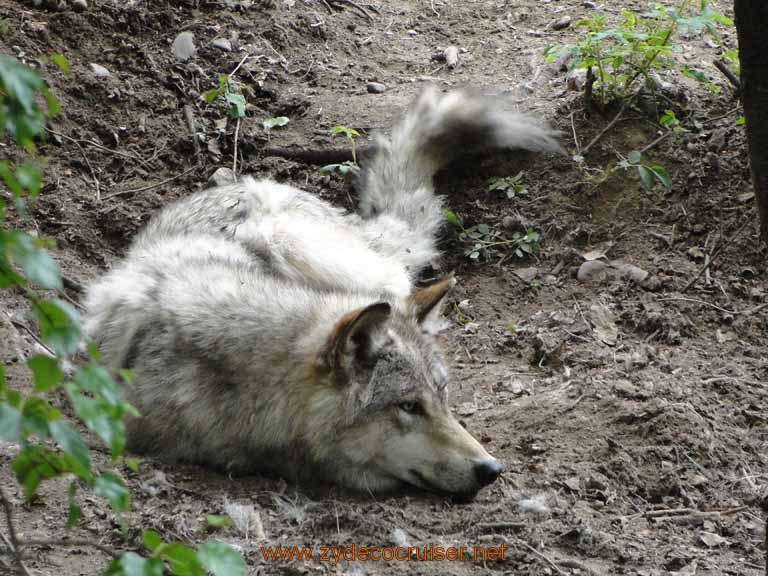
(85, 157)
(602, 132)
(151, 186)
(547, 560)
(71, 543)
(29, 331)
(190, 117)
(432, 6)
(487, 527)
(656, 141)
(312, 156)
(575, 137)
(15, 544)
(72, 285)
(97, 145)
(697, 301)
(234, 156)
(231, 74)
(355, 5)
(715, 254)
(732, 78)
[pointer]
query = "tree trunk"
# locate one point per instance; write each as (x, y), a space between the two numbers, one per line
(751, 27)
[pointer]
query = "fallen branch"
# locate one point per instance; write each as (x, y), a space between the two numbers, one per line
(602, 132)
(77, 543)
(715, 254)
(732, 78)
(313, 156)
(354, 5)
(151, 186)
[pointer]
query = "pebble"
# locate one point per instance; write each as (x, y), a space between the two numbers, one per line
(222, 44)
(221, 177)
(592, 271)
(184, 46)
(99, 71)
(80, 5)
(375, 87)
(561, 24)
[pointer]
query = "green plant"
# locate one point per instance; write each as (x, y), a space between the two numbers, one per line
(650, 174)
(346, 169)
(511, 185)
(484, 242)
(49, 446)
(271, 123)
(228, 89)
(617, 58)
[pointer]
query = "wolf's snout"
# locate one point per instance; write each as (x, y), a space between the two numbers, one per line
(487, 471)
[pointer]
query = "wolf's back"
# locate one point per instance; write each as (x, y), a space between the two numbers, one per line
(437, 129)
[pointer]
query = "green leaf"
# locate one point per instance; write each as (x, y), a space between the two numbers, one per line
(270, 123)
(36, 415)
(10, 423)
(211, 95)
(46, 372)
(151, 540)
(131, 564)
(740, 121)
(30, 177)
(646, 177)
(634, 157)
(61, 62)
(36, 262)
(350, 133)
(662, 175)
(133, 464)
(215, 521)
(72, 444)
(113, 489)
(35, 464)
(221, 560)
(452, 218)
(182, 559)
(59, 326)
(237, 102)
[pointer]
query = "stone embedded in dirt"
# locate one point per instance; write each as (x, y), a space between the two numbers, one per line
(184, 46)
(99, 71)
(711, 540)
(630, 271)
(451, 56)
(399, 537)
(79, 5)
(695, 253)
(221, 177)
(375, 87)
(590, 5)
(222, 44)
(573, 484)
(527, 275)
(561, 23)
(604, 324)
(592, 271)
(534, 505)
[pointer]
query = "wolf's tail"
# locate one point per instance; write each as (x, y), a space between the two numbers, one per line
(397, 195)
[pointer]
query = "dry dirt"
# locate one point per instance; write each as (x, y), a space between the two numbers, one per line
(631, 417)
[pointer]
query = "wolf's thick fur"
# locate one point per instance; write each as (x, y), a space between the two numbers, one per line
(269, 330)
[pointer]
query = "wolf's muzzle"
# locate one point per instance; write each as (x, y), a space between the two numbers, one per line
(487, 471)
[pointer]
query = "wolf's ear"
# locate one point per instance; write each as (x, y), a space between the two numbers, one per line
(426, 303)
(352, 334)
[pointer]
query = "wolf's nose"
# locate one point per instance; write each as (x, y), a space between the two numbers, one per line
(487, 471)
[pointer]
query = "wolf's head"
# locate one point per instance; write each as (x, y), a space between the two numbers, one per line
(395, 426)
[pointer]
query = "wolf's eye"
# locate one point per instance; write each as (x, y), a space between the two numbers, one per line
(414, 408)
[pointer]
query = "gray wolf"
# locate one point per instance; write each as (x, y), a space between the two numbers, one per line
(270, 331)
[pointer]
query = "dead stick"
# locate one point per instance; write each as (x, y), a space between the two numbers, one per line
(71, 544)
(547, 560)
(85, 157)
(8, 508)
(715, 255)
(190, 118)
(234, 156)
(313, 156)
(355, 5)
(145, 188)
(732, 78)
(602, 132)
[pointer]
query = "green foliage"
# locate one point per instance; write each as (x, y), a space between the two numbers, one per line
(228, 89)
(624, 55)
(49, 446)
(347, 169)
(276, 122)
(650, 175)
(512, 186)
(483, 242)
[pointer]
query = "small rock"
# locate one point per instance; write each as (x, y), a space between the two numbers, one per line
(451, 55)
(99, 71)
(222, 44)
(221, 177)
(695, 253)
(561, 24)
(711, 540)
(79, 5)
(399, 537)
(184, 46)
(590, 5)
(411, 33)
(375, 87)
(592, 271)
(630, 271)
(573, 484)
(527, 275)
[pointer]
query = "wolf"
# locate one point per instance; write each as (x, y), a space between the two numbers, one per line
(270, 331)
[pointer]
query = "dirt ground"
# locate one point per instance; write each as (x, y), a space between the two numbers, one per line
(629, 411)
